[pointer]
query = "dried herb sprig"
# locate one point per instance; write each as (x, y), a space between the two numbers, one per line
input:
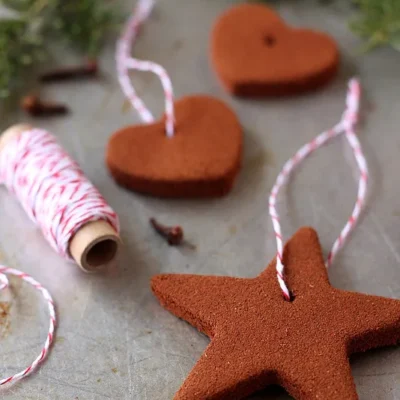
(84, 24)
(378, 22)
(25, 37)
(21, 47)
(11, 58)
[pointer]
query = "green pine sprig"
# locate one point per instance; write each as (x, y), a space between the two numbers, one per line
(21, 47)
(26, 37)
(84, 24)
(378, 22)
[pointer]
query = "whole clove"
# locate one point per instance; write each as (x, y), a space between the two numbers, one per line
(173, 234)
(34, 106)
(90, 69)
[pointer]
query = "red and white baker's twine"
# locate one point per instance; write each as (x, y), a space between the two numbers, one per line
(50, 335)
(346, 126)
(52, 188)
(125, 63)
(57, 196)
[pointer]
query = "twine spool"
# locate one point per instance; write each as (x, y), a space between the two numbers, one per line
(94, 242)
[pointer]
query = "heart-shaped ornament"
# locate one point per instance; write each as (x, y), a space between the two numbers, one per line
(255, 53)
(202, 159)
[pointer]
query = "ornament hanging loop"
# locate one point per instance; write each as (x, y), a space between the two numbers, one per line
(125, 63)
(346, 126)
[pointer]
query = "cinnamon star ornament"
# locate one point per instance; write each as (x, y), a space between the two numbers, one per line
(259, 339)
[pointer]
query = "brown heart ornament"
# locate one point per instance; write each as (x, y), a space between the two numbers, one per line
(254, 53)
(202, 159)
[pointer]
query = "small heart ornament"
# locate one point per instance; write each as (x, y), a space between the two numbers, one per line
(202, 159)
(255, 53)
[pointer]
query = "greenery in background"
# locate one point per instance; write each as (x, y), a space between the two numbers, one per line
(25, 36)
(20, 49)
(378, 22)
(84, 25)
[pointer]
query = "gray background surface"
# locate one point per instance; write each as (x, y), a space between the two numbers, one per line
(114, 341)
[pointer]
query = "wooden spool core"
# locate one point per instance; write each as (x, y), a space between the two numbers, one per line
(96, 244)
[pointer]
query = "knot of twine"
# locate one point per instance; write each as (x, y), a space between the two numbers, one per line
(345, 126)
(125, 63)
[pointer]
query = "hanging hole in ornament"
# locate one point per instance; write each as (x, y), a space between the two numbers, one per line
(269, 41)
(170, 134)
(292, 297)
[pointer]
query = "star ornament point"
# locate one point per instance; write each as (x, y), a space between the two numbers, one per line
(259, 339)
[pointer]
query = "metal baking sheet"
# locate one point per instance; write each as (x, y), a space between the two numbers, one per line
(114, 341)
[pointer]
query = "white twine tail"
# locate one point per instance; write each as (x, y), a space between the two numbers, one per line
(125, 63)
(52, 324)
(345, 126)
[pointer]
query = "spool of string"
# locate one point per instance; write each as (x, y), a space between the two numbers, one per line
(73, 216)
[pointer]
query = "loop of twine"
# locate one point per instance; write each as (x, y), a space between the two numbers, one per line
(125, 63)
(52, 324)
(346, 126)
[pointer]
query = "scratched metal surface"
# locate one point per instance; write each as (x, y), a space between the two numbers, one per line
(114, 341)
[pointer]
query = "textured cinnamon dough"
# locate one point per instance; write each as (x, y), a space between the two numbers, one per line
(255, 53)
(201, 160)
(259, 339)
